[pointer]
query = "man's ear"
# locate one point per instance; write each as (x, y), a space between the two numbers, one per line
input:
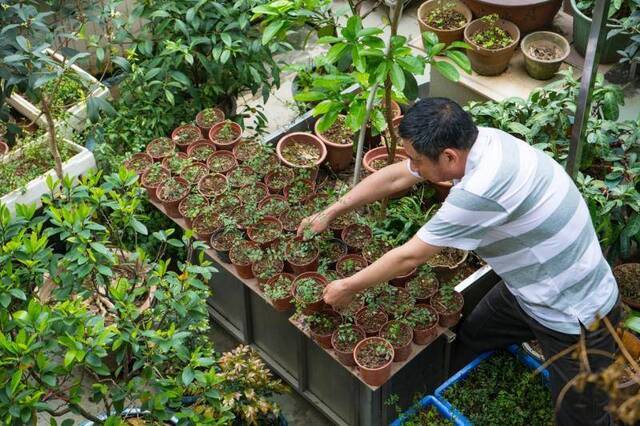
(450, 155)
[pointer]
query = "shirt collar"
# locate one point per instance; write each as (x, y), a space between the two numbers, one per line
(476, 151)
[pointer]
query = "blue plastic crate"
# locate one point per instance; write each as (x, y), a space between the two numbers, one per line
(426, 402)
(520, 355)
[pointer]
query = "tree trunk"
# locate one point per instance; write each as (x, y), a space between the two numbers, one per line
(53, 143)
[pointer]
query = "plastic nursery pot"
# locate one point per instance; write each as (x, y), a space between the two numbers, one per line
(222, 162)
(454, 31)
(209, 117)
(448, 317)
(349, 264)
(257, 191)
(245, 150)
(256, 269)
(309, 264)
(266, 231)
(206, 223)
(374, 159)
(374, 374)
(318, 304)
(194, 172)
(160, 148)
(201, 150)
(490, 61)
(422, 287)
(323, 337)
(241, 263)
(344, 351)
(226, 134)
(222, 242)
(356, 236)
(402, 280)
(371, 321)
(138, 162)
(278, 179)
(171, 192)
(185, 205)
(339, 154)
(174, 162)
(151, 180)
(184, 136)
(402, 349)
(299, 191)
(544, 52)
(282, 304)
(338, 249)
(212, 185)
(426, 333)
(301, 150)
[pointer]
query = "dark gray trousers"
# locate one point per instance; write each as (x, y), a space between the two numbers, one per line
(498, 321)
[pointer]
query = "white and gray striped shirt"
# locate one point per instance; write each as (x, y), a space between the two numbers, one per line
(520, 212)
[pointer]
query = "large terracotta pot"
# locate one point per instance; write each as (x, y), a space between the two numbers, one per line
(444, 36)
(528, 15)
(339, 155)
(301, 138)
(487, 61)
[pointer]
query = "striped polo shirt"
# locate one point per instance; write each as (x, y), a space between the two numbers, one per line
(521, 212)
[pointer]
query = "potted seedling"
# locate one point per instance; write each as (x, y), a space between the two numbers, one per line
(423, 286)
(448, 304)
(400, 335)
(254, 194)
(307, 291)
(302, 255)
(243, 255)
(224, 238)
(332, 249)
(278, 290)
(338, 140)
(423, 319)
(446, 18)
(171, 192)
(206, 222)
(139, 162)
(190, 206)
(278, 179)
(322, 325)
(221, 162)
(299, 191)
(184, 136)
(371, 320)
(301, 150)
(350, 310)
(378, 158)
(264, 161)
(447, 261)
(242, 176)
(318, 201)
(153, 178)
(628, 277)
(160, 148)
(357, 236)
(246, 149)
(265, 231)
(176, 162)
(201, 150)
(209, 117)
(374, 356)
(349, 264)
(193, 172)
(226, 203)
(341, 222)
(375, 249)
(344, 341)
(225, 135)
(493, 41)
(290, 217)
(396, 301)
(212, 185)
(266, 268)
(544, 52)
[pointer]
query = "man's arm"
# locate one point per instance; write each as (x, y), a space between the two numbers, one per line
(394, 263)
(393, 178)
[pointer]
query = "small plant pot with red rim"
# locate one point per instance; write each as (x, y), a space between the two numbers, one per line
(212, 185)
(222, 162)
(301, 150)
(209, 117)
(449, 313)
(153, 178)
(160, 148)
(425, 327)
(307, 291)
(253, 193)
(299, 191)
(278, 179)
(175, 163)
(350, 264)
(283, 303)
(194, 172)
(190, 206)
(371, 321)
(242, 176)
(201, 150)
(186, 135)
(490, 61)
(376, 158)
(451, 30)
(341, 222)
(396, 301)
(171, 192)
(265, 231)
(226, 203)
(343, 348)
(400, 335)
(373, 362)
(332, 250)
(266, 268)
(356, 236)
(291, 217)
(4, 149)
(422, 287)
(138, 162)
(338, 140)
(322, 325)
(242, 257)
(226, 134)
(222, 242)
(401, 281)
(206, 223)
(375, 250)
(301, 256)
(245, 150)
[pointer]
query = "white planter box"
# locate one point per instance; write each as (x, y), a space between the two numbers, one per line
(77, 114)
(75, 166)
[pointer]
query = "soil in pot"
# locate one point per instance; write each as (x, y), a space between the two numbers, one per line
(246, 149)
(423, 286)
(486, 396)
(209, 117)
(344, 341)
(375, 249)
(242, 176)
(374, 356)
(357, 236)
(339, 133)
(153, 177)
(253, 194)
(267, 268)
(448, 304)
(300, 152)
(493, 37)
(191, 206)
(201, 150)
(307, 291)
(302, 255)
(350, 264)
(322, 325)
(139, 162)
(221, 162)
(448, 257)
(628, 277)
(332, 249)
(351, 310)
(171, 192)
(342, 221)
(263, 162)
(400, 335)
(176, 163)
(212, 185)
(265, 231)
(225, 134)
(274, 205)
(445, 17)
(382, 162)
(206, 223)
(243, 254)
(226, 203)
(160, 148)
(292, 218)
(396, 301)
(371, 320)
(428, 415)
(423, 319)
(339, 142)
(223, 239)
(278, 290)
(493, 42)
(299, 191)
(184, 136)
(193, 172)
(318, 201)
(545, 53)
(278, 179)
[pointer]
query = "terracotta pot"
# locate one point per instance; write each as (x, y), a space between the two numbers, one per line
(166, 162)
(315, 306)
(138, 162)
(380, 152)
(202, 170)
(251, 230)
(204, 235)
(401, 353)
(542, 69)
(4, 148)
(243, 270)
(213, 133)
(203, 127)
(373, 376)
(184, 145)
(632, 343)
(182, 211)
(262, 282)
(343, 248)
(204, 178)
(301, 138)
(444, 36)
(310, 184)
(371, 332)
(344, 234)
(171, 207)
(339, 155)
(486, 61)
(202, 142)
(225, 153)
(324, 340)
(352, 256)
(237, 150)
(528, 15)
(266, 199)
(284, 304)
(402, 280)
(346, 358)
(447, 320)
(160, 156)
(422, 336)
(276, 189)
(258, 190)
(151, 189)
(310, 266)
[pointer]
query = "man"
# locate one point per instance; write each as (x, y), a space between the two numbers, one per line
(518, 210)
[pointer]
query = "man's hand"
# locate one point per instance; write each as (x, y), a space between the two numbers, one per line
(317, 222)
(338, 294)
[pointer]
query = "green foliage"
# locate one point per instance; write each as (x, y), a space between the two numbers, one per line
(493, 37)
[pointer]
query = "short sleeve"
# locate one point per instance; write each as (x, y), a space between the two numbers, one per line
(463, 221)
(408, 163)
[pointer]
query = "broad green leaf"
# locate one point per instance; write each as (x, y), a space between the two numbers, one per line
(460, 59)
(187, 376)
(447, 70)
(429, 39)
(271, 31)
(410, 86)
(139, 227)
(397, 76)
(327, 120)
(310, 96)
(335, 52)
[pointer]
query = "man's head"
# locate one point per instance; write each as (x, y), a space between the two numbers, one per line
(437, 135)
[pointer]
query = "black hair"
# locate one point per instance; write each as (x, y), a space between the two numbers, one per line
(435, 124)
